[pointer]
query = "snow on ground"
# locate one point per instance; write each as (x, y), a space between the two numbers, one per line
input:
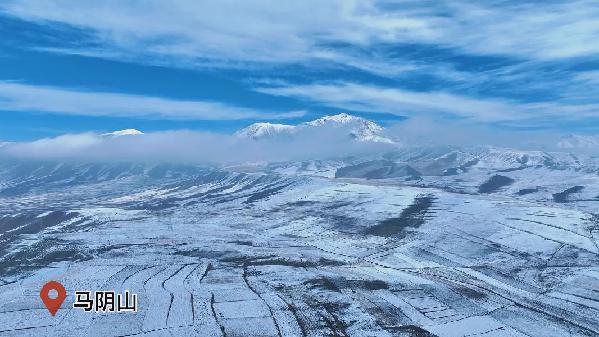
(223, 253)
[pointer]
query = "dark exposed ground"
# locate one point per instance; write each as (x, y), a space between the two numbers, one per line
(563, 196)
(412, 216)
(495, 183)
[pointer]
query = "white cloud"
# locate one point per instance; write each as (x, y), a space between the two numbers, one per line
(542, 30)
(286, 31)
(366, 98)
(23, 97)
(358, 97)
(192, 147)
(272, 31)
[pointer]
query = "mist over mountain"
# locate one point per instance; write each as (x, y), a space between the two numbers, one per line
(326, 138)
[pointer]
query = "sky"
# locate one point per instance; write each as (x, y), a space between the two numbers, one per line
(77, 66)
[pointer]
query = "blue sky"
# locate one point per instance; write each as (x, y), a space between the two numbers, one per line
(70, 66)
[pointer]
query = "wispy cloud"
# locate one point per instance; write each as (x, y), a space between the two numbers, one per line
(367, 98)
(24, 97)
(494, 61)
(299, 31)
(535, 30)
(588, 77)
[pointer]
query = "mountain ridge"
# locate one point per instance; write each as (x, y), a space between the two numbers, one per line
(358, 128)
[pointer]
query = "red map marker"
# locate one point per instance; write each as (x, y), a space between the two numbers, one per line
(53, 303)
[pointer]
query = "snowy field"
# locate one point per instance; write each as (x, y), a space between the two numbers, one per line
(277, 252)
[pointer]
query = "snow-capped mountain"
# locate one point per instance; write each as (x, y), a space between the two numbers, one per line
(125, 132)
(264, 130)
(360, 128)
(357, 128)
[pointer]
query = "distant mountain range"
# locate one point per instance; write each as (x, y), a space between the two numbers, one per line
(390, 160)
(580, 142)
(469, 169)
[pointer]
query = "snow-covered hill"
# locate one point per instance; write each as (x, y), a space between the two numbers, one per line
(443, 160)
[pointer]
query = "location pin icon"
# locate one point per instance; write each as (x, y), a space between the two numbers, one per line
(53, 303)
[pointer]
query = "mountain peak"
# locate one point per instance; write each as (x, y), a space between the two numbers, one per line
(125, 132)
(342, 118)
(264, 130)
